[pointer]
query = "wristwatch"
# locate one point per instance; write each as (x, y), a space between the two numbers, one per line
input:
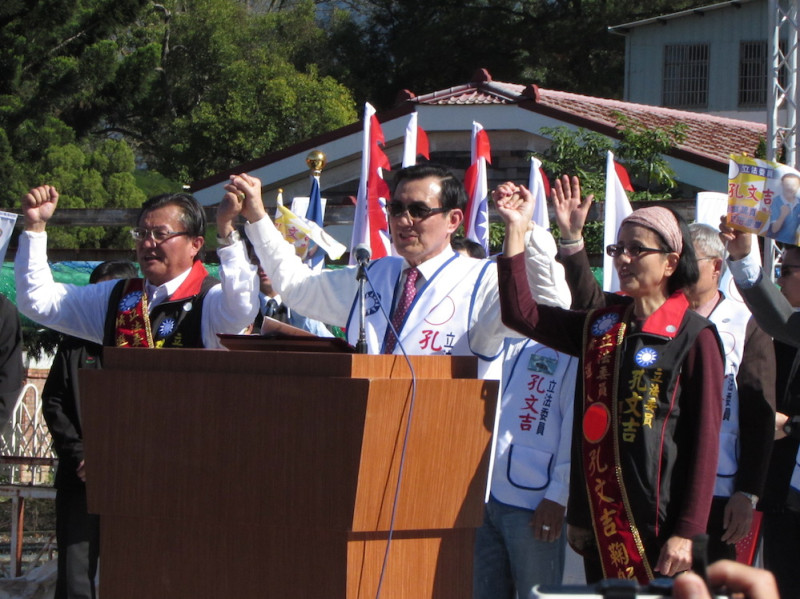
(230, 239)
(753, 498)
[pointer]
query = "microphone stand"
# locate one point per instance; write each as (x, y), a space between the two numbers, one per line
(361, 276)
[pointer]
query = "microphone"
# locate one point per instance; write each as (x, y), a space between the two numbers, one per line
(363, 253)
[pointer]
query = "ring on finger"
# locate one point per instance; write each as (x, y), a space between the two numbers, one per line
(545, 527)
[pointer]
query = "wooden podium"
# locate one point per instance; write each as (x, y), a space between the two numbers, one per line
(247, 474)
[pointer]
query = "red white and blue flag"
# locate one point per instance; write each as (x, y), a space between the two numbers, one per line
(370, 225)
(476, 220)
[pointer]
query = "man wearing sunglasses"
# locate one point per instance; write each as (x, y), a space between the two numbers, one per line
(175, 304)
(777, 313)
(439, 301)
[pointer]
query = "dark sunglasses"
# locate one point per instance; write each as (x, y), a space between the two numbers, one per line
(416, 210)
(617, 249)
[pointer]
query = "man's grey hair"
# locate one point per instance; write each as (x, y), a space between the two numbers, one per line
(706, 241)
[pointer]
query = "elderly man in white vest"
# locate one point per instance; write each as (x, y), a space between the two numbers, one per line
(440, 302)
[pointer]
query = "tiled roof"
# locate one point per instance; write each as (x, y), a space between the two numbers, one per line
(708, 138)
(472, 94)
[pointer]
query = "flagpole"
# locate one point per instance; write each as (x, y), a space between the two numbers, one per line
(316, 161)
(315, 212)
(360, 232)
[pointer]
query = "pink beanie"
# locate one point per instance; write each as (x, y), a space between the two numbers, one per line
(662, 221)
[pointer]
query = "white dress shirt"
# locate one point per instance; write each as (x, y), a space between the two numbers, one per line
(228, 307)
(328, 295)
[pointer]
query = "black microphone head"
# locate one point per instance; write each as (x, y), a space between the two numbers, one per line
(363, 253)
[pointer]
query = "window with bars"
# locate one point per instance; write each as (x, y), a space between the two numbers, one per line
(686, 76)
(753, 65)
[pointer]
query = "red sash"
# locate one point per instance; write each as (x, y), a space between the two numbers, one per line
(133, 320)
(619, 543)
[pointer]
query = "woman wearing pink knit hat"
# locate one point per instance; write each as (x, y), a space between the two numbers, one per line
(647, 412)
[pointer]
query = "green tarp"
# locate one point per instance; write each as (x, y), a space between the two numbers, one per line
(76, 273)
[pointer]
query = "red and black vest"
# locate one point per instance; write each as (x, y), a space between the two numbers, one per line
(173, 323)
(631, 425)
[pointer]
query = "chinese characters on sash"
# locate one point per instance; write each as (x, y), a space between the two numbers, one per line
(618, 540)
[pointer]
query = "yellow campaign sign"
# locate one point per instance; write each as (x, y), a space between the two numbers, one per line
(763, 198)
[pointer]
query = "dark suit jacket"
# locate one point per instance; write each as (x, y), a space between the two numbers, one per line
(779, 319)
(61, 405)
(773, 312)
(11, 368)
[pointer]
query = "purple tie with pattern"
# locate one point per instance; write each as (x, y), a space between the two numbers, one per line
(409, 293)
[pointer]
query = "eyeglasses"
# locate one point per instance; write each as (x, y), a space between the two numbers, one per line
(785, 270)
(157, 235)
(416, 210)
(617, 249)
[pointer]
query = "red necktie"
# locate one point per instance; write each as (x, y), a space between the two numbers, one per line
(409, 293)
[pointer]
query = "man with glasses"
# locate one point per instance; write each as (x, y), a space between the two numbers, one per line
(176, 304)
(439, 301)
(777, 312)
(748, 399)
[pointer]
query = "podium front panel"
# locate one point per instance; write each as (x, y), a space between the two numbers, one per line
(223, 458)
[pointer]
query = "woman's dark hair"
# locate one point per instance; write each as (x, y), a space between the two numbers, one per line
(686, 272)
(472, 248)
(453, 194)
(193, 216)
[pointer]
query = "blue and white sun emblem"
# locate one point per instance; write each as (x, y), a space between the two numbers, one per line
(129, 301)
(645, 357)
(604, 323)
(372, 301)
(166, 327)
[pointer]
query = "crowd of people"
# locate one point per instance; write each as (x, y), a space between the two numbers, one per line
(627, 424)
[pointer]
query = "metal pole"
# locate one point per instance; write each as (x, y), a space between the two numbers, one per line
(782, 97)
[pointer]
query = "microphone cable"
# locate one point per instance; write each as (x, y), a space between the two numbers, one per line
(404, 445)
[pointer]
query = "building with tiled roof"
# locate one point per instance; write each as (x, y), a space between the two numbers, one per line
(513, 116)
(709, 139)
(712, 59)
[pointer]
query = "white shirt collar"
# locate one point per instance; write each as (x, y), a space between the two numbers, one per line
(428, 268)
(156, 295)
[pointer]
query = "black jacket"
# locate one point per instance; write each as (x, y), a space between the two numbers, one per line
(61, 405)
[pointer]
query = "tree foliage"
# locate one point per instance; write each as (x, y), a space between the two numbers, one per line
(384, 46)
(229, 85)
(577, 152)
(584, 153)
(91, 88)
(641, 150)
